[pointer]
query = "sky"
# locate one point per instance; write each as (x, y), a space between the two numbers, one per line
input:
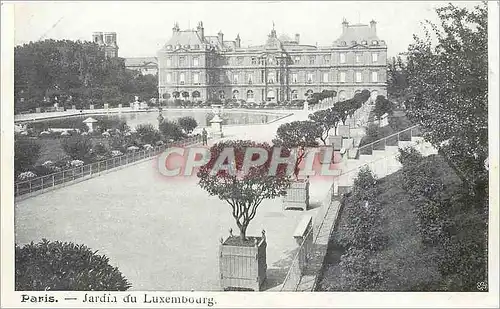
(143, 27)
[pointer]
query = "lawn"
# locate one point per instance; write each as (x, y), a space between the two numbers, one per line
(407, 264)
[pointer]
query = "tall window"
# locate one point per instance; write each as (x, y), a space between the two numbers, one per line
(326, 59)
(169, 78)
(296, 60)
(342, 77)
(196, 61)
(182, 78)
(249, 94)
(254, 61)
(295, 78)
(295, 95)
(240, 60)
(358, 58)
(222, 78)
(312, 60)
(325, 77)
(374, 57)
(342, 57)
(310, 78)
(235, 78)
(374, 77)
(359, 77)
(250, 78)
(270, 78)
(169, 62)
(196, 78)
(182, 61)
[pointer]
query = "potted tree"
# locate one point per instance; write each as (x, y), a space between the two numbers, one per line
(328, 119)
(244, 187)
(299, 136)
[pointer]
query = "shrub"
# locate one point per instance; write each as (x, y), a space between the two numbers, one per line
(100, 150)
(65, 266)
(77, 147)
(171, 130)
(26, 153)
(363, 224)
(147, 133)
(111, 123)
(26, 175)
(187, 123)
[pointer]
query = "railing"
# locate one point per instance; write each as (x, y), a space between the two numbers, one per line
(391, 140)
(295, 273)
(94, 169)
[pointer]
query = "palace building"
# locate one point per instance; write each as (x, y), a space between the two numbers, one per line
(196, 66)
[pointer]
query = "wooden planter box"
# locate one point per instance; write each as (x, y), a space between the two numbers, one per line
(335, 141)
(323, 159)
(343, 130)
(297, 196)
(242, 266)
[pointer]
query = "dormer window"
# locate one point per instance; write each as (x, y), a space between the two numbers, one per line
(354, 42)
(374, 42)
(343, 43)
(364, 42)
(196, 46)
(169, 47)
(178, 46)
(186, 46)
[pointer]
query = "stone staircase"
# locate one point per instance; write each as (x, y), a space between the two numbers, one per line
(381, 155)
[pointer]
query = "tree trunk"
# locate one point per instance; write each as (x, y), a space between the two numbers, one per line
(243, 232)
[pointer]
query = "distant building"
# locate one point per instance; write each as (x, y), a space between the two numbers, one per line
(108, 42)
(196, 66)
(144, 65)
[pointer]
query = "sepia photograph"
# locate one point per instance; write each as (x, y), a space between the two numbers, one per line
(206, 147)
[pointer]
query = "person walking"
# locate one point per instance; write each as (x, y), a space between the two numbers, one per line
(204, 137)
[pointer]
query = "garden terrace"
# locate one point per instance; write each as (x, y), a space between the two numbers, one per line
(405, 263)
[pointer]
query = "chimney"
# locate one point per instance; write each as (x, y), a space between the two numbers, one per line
(373, 26)
(297, 38)
(345, 25)
(238, 41)
(221, 37)
(201, 31)
(176, 28)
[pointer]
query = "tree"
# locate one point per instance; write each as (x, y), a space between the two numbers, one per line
(148, 134)
(26, 153)
(171, 130)
(58, 266)
(76, 73)
(346, 108)
(397, 80)
(448, 90)
(244, 190)
(382, 106)
(77, 147)
(187, 123)
(298, 135)
(328, 119)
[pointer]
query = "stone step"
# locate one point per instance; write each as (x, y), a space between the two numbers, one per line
(379, 154)
(404, 144)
